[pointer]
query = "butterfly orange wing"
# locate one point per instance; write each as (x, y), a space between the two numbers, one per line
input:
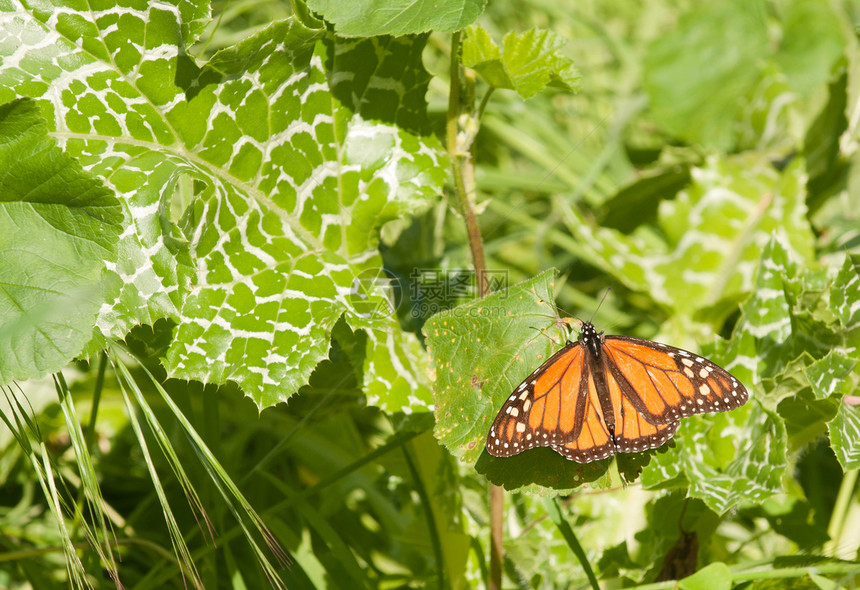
(633, 432)
(664, 384)
(547, 408)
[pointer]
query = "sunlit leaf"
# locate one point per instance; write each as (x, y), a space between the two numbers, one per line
(368, 18)
(844, 433)
(812, 40)
(715, 576)
(481, 351)
(526, 62)
(59, 227)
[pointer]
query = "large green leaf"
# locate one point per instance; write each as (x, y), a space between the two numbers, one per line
(837, 380)
(367, 18)
(844, 295)
(740, 455)
(768, 120)
(59, 226)
(255, 198)
(480, 352)
(845, 435)
(724, 459)
(796, 358)
(382, 79)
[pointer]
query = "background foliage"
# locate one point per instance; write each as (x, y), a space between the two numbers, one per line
(218, 209)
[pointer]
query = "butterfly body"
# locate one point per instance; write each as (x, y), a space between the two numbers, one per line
(603, 395)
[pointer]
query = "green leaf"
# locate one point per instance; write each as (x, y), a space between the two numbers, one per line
(725, 458)
(396, 372)
(786, 322)
(643, 196)
(715, 576)
(831, 375)
(790, 346)
(479, 352)
(59, 227)
(824, 583)
(382, 79)
(811, 43)
(526, 62)
(805, 417)
(734, 215)
(281, 269)
(741, 455)
(555, 513)
(768, 119)
(764, 332)
(843, 435)
(826, 162)
(541, 469)
(80, 72)
(695, 73)
(844, 296)
(255, 199)
(367, 18)
(668, 548)
(794, 518)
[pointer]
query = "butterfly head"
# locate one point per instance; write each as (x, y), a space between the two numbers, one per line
(591, 338)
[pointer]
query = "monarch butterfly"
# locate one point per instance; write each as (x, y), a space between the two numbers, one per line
(603, 395)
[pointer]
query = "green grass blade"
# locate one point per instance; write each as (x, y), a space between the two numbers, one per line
(564, 528)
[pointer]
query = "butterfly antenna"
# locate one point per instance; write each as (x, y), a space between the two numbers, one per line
(602, 299)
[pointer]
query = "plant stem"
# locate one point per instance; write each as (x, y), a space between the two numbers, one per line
(460, 141)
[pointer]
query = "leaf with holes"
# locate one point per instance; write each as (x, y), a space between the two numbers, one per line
(481, 352)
